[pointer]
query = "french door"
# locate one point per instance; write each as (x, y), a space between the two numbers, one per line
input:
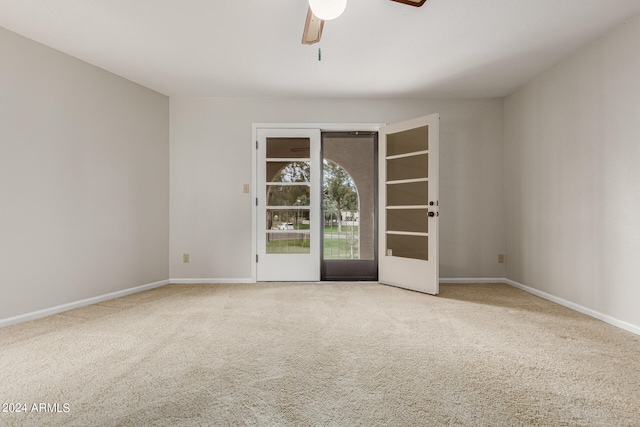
(288, 205)
(408, 210)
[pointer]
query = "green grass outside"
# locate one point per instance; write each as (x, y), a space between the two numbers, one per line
(345, 228)
(334, 248)
(291, 246)
(339, 249)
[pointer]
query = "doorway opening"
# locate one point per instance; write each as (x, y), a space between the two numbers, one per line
(397, 193)
(349, 206)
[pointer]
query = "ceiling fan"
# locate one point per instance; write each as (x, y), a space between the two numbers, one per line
(325, 10)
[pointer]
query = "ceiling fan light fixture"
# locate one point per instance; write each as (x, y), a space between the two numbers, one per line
(327, 9)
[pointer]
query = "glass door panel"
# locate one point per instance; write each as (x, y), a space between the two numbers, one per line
(288, 195)
(410, 220)
(408, 141)
(408, 167)
(408, 246)
(407, 187)
(288, 185)
(288, 148)
(287, 171)
(288, 232)
(408, 194)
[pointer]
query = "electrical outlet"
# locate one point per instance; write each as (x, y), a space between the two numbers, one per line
(185, 258)
(389, 252)
(500, 258)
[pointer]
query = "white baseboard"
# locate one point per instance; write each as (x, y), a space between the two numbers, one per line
(208, 281)
(450, 280)
(576, 307)
(573, 306)
(72, 305)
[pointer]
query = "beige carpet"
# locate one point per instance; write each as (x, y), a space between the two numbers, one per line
(321, 354)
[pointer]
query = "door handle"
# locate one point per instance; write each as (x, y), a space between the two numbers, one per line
(431, 213)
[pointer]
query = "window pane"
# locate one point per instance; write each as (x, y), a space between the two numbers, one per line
(408, 167)
(287, 219)
(408, 246)
(288, 171)
(288, 148)
(410, 194)
(413, 220)
(288, 243)
(288, 195)
(408, 141)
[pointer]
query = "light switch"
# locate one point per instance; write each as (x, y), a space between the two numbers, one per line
(245, 188)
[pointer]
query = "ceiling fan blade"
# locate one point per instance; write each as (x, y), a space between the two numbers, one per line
(416, 3)
(312, 29)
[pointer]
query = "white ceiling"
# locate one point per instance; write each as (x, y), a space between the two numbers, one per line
(377, 48)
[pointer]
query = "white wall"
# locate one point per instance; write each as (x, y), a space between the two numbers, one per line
(572, 178)
(211, 149)
(84, 183)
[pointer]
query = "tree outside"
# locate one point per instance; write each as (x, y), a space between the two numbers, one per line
(289, 195)
(340, 203)
(340, 193)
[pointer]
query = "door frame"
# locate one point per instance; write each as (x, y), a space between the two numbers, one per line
(354, 269)
(323, 127)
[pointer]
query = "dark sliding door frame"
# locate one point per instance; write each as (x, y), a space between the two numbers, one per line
(353, 269)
